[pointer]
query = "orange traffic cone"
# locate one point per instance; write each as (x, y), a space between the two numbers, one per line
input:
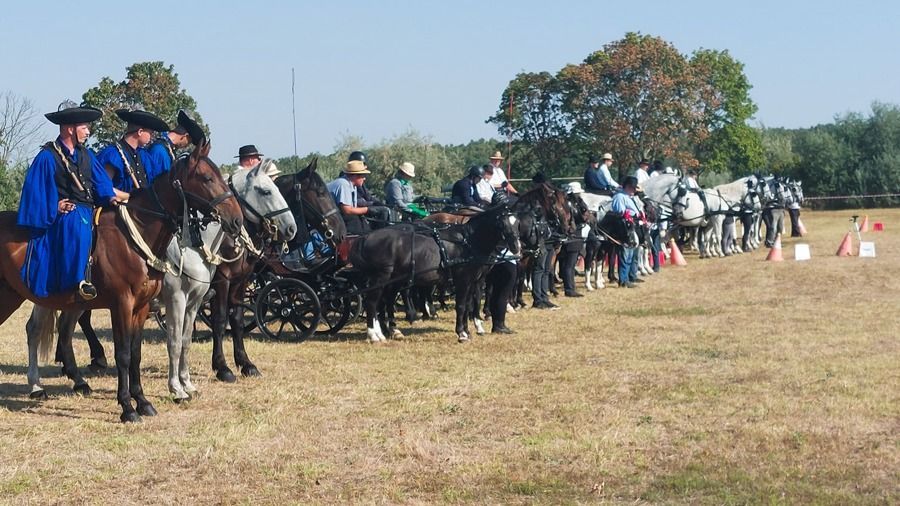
(675, 256)
(865, 224)
(801, 228)
(846, 247)
(775, 251)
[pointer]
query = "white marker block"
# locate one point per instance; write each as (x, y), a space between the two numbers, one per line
(867, 249)
(801, 252)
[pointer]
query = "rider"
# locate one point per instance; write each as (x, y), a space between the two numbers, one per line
(399, 192)
(623, 205)
(129, 165)
(464, 192)
(498, 177)
(344, 190)
(162, 151)
(597, 179)
(62, 186)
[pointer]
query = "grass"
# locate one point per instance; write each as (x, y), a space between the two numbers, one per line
(729, 381)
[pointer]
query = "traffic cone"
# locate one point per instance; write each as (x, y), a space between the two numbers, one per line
(662, 258)
(775, 251)
(675, 256)
(801, 228)
(865, 224)
(846, 247)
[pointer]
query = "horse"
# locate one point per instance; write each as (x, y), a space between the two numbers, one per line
(394, 257)
(121, 269)
(312, 206)
(266, 209)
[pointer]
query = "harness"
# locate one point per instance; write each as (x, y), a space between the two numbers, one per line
(264, 219)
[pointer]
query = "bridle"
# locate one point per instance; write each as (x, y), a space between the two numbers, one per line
(265, 220)
(319, 219)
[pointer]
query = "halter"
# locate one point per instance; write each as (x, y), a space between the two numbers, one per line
(268, 224)
(316, 215)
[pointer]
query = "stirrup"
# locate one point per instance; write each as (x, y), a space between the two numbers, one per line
(87, 291)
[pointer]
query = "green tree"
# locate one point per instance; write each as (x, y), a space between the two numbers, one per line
(151, 86)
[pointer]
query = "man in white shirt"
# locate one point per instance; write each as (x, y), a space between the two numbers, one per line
(498, 177)
(641, 172)
(483, 188)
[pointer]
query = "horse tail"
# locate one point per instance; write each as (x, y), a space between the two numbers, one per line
(45, 329)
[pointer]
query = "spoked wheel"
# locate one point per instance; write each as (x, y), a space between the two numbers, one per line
(288, 310)
(335, 314)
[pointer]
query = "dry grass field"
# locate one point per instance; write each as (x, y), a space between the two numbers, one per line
(729, 381)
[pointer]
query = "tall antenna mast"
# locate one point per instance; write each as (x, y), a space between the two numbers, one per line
(512, 100)
(294, 113)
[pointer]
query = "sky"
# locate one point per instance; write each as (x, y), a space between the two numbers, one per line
(378, 69)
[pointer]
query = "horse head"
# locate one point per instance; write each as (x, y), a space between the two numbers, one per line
(204, 189)
(310, 199)
(262, 202)
(495, 226)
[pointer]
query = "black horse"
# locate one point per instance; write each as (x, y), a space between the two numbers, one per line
(400, 256)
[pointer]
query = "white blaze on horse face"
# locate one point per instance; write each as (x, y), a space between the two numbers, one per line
(511, 219)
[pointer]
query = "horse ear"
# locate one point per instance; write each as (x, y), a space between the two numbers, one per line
(313, 165)
(205, 148)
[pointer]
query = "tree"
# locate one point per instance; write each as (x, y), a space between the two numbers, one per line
(531, 112)
(151, 86)
(19, 126)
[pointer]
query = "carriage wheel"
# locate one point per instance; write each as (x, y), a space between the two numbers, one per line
(288, 310)
(335, 314)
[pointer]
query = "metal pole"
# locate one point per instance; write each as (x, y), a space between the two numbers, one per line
(294, 115)
(512, 100)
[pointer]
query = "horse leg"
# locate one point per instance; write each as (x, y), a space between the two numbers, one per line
(98, 363)
(391, 327)
(66, 326)
(464, 293)
(194, 301)
(236, 318)
(144, 407)
(219, 304)
(123, 334)
(409, 305)
(175, 317)
(40, 330)
(371, 301)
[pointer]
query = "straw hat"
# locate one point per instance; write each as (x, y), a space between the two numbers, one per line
(497, 156)
(268, 166)
(607, 156)
(574, 188)
(356, 167)
(408, 169)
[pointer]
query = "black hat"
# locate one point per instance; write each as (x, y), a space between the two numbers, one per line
(593, 159)
(143, 119)
(644, 161)
(187, 125)
(539, 177)
(657, 165)
(70, 113)
(475, 171)
(630, 181)
(248, 150)
(357, 156)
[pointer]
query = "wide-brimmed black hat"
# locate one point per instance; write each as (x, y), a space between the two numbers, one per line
(593, 159)
(143, 119)
(70, 113)
(248, 150)
(187, 125)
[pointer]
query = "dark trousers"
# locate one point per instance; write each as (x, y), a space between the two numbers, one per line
(502, 279)
(727, 235)
(356, 225)
(540, 276)
(569, 257)
(381, 216)
(654, 249)
(774, 220)
(795, 221)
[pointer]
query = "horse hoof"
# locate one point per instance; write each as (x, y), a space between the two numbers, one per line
(83, 389)
(38, 394)
(131, 417)
(250, 371)
(147, 409)
(396, 334)
(463, 338)
(225, 376)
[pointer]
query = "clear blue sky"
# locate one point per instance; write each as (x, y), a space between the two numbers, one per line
(375, 69)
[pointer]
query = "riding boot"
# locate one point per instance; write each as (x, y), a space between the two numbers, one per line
(86, 289)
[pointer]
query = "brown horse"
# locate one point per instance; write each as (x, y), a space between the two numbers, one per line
(123, 279)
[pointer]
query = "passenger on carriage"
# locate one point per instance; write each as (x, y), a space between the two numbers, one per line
(597, 179)
(344, 191)
(127, 162)
(378, 213)
(483, 187)
(464, 192)
(62, 186)
(498, 178)
(163, 151)
(641, 172)
(399, 194)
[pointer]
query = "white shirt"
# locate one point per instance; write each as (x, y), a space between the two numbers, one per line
(641, 175)
(484, 189)
(604, 170)
(498, 178)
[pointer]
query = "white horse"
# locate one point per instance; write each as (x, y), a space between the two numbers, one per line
(183, 295)
(253, 188)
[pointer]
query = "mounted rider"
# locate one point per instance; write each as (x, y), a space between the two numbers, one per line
(125, 160)
(597, 178)
(162, 151)
(62, 186)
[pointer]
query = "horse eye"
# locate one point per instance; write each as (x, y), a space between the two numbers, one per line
(207, 178)
(263, 191)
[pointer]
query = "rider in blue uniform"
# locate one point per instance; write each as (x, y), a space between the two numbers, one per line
(63, 185)
(127, 162)
(162, 152)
